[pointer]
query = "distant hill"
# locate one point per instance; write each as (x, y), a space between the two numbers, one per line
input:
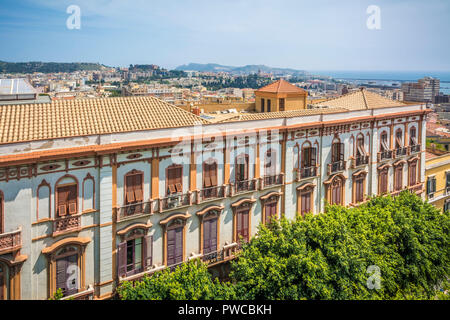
(248, 69)
(47, 67)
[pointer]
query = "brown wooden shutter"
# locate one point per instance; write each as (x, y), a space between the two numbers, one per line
(129, 187)
(72, 278)
(138, 192)
(213, 174)
(148, 251)
(206, 237)
(61, 267)
(178, 179)
(341, 152)
(122, 259)
(63, 194)
(207, 176)
(179, 245)
(245, 226)
(72, 199)
(171, 247)
(313, 161)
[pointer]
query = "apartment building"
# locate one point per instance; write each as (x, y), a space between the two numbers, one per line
(437, 175)
(97, 191)
(425, 90)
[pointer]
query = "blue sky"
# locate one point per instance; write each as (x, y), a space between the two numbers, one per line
(310, 35)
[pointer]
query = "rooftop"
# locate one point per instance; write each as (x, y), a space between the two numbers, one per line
(360, 100)
(281, 86)
(15, 86)
(72, 118)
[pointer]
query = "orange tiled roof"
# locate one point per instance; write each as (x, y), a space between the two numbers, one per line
(281, 86)
(360, 99)
(72, 118)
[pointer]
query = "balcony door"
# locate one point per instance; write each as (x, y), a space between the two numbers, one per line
(175, 244)
(242, 223)
(209, 179)
(210, 233)
(67, 274)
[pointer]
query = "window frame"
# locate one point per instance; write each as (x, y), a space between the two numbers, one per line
(177, 186)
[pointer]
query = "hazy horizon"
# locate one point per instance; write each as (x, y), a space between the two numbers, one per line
(323, 36)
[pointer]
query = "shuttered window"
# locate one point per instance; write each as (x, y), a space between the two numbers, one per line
(383, 181)
(174, 179)
(175, 245)
(134, 255)
(242, 168)
(412, 137)
(134, 188)
(209, 175)
(67, 275)
(67, 200)
(242, 225)
(398, 178)
(384, 145)
(398, 139)
(305, 202)
(309, 156)
(413, 173)
(359, 189)
(336, 191)
(431, 186)
(337, 153)
(270, 211)
(209, 235)
(360, 150)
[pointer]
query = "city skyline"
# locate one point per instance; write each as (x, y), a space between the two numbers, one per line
(235, 33)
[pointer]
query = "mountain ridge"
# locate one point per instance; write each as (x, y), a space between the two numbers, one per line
(247, 69)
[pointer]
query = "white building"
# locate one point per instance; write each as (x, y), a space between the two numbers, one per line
(99, 190)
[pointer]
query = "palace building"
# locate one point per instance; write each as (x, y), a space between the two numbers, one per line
(98, 191)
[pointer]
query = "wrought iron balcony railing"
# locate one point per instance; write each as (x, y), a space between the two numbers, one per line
(304, 173)
(206, 194)
(400, 152)
(65, 224)
(11, 241)
(175, 201)
(244, 186)
(134, 209)
(336, 167)
(360, 161)
(385, 155)
(414, 149)
(271, 180)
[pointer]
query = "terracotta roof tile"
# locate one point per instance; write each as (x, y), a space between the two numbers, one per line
(72, 118)
(281, 86)
(360, 99)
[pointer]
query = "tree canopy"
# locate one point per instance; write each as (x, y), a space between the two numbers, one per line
(388, 248)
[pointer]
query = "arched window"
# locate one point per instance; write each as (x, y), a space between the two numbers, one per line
(270, 167)
(359, 179)
(242, 173)
(88, 193)
(209, 179)
(337, 151)
(43, 201)
(174, 234)
(241, 210)
(398, 177)
(383, 180)
(412, 173)
(269, 204)
(384, 145)
(398, 139)
(67, 270)
(335, 189)
(305, 198)
(135, 252)
(412, 136)
(360, 150)
(209, 232)
(66, 196)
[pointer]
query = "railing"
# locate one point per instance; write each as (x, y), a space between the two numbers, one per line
(210, 193)
(175, 201)
(66, 224)
(360, 161)
(272, 180)
(308, 172)
(11, 241)
(134, 209)
(417, 188)
(244, 186)
(87, 294)
(336, 166)
(414, 149)
(385, 155)
(227, 253)
(399, 152)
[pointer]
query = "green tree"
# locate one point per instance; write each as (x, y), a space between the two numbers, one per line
(189, 281)
(327, 256)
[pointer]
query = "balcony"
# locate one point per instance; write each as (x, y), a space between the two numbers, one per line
(359, 161)
(304, 173)
(414, 149)
(175, 201)
(400, 152)
(87, 294)
(211, 193)
(273, 180)
(133, 210)
(418, 188)
(11, 241)
(227, 253)
(384, 155)
(336, 166)
(244, 186)
(70, 223)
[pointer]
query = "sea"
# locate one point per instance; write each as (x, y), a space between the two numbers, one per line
(389, 78)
